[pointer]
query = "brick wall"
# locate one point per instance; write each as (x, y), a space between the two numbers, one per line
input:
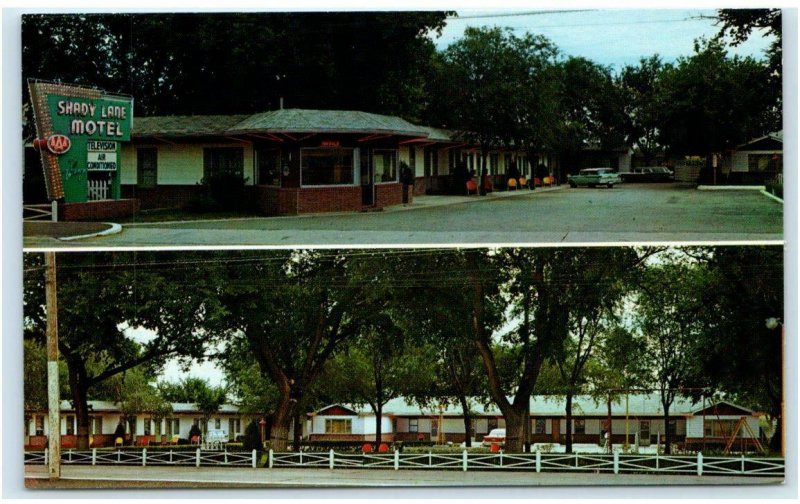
(329, 199)
(162, 196)
(97, 210)
(419, 186)
(388, 195)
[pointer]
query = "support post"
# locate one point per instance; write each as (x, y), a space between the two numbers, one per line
(464, 460)
(396, 459)
(255, 455)
(54, 211)
(616, 462)
(144, 457)
(538, 461)
(330, 459)
(699, 463)
(53, 398)
(197, 458)
(94, 456)
(270, 460)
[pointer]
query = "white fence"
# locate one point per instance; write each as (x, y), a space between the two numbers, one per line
(535, 462)
(539, 462)
(197, 458)
(98, 190)
(44, 211)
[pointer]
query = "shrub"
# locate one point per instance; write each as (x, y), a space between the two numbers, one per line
(252, 437)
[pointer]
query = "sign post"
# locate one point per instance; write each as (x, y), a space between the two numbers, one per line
(53, 398)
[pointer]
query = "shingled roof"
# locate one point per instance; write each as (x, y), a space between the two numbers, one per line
(193, 125)
(326, 121)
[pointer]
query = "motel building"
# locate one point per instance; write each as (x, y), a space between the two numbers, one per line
(297, 161)
(104, 416)
(696, 425)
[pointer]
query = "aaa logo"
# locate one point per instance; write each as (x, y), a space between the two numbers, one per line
(58, 144)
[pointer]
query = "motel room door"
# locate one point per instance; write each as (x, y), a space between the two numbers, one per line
(367, 178)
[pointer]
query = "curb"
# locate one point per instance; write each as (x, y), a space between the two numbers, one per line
(731, 188)
(770, 195)
(114, 229)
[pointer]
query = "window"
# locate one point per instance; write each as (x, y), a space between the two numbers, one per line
(492, 424)
(764, 162)
(147, 167)
(338, 426)
(385, 165)
(540, 426)
(326, 166)
(70, 421)
(268, 167)
(173, 427)
(580, 426)
(720, 428)
(493, 163)
(223, 161)
(148, 426)
(234, 426)
(413, 425)
(96, 423)
(39, 429)
(412, 159)
(217, 423)
(507, 161)
(644, 431)
(452, 159)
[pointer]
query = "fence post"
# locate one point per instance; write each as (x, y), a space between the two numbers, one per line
(538, 461)
(301, 457)
(616, 462)
(197, 458)
(46, 457)
(225, 459)
(144, 457)
(396, 459)
(54, 211)
(464, 460)
(742, 463)
(170, 455)
(330, 458)
(269, 459)
(430, 459)
(501, 456)
(699, 463)
(254, 458)
(69, 455)
(94, 456)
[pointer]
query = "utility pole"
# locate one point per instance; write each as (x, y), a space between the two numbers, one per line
(53, 399)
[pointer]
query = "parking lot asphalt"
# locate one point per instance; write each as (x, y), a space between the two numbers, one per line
(628, 213)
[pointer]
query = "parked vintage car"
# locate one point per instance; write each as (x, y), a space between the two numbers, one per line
(649, 174)
(496, 436)
(593, 177)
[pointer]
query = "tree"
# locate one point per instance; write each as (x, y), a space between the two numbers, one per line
(209, 400)
(540, 286)
(113, 300)
(712, 102)
(34, 384)
(737, 25)
(641, 87)
(134, 394)
(292, 311)
(668, 318)
(737, 353)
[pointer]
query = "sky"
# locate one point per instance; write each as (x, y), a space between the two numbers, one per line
(610, 37)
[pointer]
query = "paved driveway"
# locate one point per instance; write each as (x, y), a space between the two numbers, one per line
(626, 213)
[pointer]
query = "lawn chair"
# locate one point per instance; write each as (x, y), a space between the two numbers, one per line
(472, 187)
(512, 184)
(537, 182)
(367, 448)
(175, 439)
(118, 442)
(523, 182)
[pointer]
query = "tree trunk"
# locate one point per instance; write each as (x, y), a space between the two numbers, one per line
(776, 441)
(482, 178)
(79, 387)
(527, 426)
(610, 426)
(378, 426)
(515, 426)
(281, 423)
(667, 436)
(467, 421)
(297, 422)
(568, 411)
